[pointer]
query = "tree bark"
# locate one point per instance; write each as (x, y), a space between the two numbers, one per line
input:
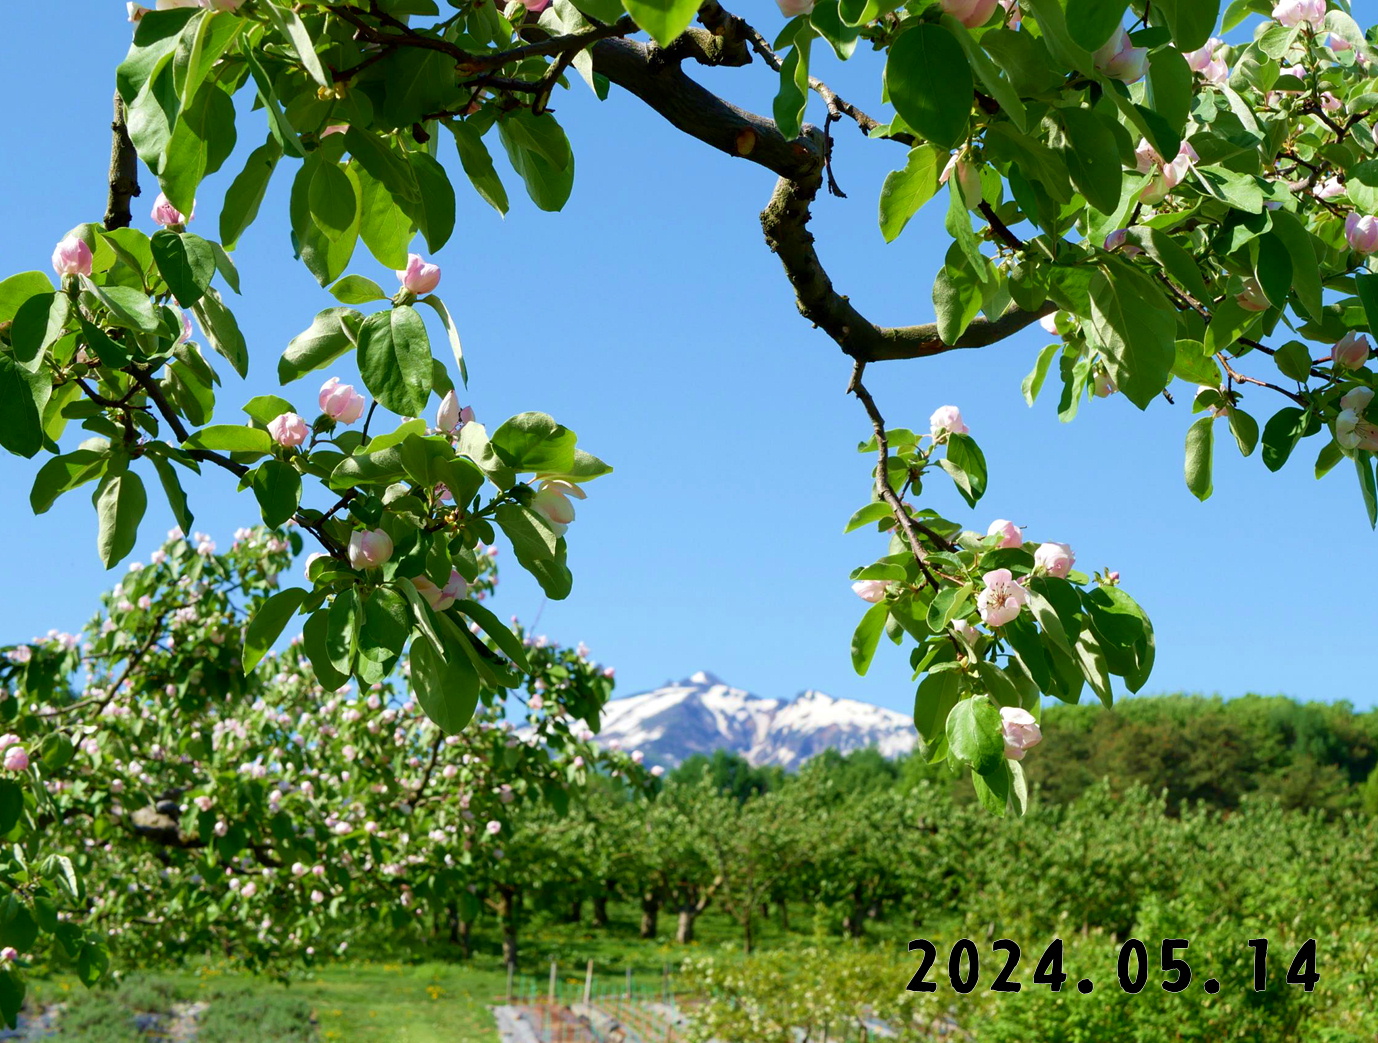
(684, 932)
(507, 913)
(650, 912)
(747, 938)
(576, 911)
(600, 910)
(784, 915)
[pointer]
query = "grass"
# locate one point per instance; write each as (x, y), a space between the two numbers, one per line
(423, 994)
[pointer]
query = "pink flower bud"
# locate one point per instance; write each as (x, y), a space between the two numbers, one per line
(168, 215)
(578, 762)
(450, 417)
(551, 501)
(9, 954)
(872, 590)
(1056, 559)
(1292, 13)
(288, 429)
(1103, 386)
(1001, 599)
(419, 277)
(341, 402)
(368, 550)
(1357, 400)
(16, 759)
(1009, 532)
(1021, 731)
(72, 257)
(1338, 44)
(657, 771)
(971, 13)
(1198, 59)
(441, 598)
(795, 8)
(1119, 59)
(1049, 324)
(946, 420)
(1329, 188)
(1116, 241)
(1362, 233)
(494, 827)
(535, 6)
(1351, 351)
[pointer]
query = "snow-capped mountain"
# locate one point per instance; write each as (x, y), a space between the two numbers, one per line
(701, 714)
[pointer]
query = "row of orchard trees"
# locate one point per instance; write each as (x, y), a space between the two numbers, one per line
(158, 800)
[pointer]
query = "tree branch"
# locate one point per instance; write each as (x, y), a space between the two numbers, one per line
(124, 171)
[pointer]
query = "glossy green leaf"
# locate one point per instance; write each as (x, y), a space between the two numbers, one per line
(395, 360)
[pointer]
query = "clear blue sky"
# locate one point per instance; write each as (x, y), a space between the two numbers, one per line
(650, 318)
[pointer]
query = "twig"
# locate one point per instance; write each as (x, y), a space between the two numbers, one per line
(124, 171)
(883, 486)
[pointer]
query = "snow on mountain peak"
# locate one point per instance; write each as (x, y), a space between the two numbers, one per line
(702, 713)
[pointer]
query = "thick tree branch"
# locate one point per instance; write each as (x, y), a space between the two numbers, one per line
(785, 222)
(800, 164)
(124, 171)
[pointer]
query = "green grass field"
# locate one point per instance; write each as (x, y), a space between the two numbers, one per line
(424, 996)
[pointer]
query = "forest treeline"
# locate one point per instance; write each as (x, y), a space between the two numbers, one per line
(1192, 748)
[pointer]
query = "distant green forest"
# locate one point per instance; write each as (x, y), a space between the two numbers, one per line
(1194, 748)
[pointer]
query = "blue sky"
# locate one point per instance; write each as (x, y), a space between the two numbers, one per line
(650, 318)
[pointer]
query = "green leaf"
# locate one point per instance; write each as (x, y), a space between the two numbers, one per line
(933, 702)
(172, 489)
(267, 408)
(1200, 448)
(383, 163)
(537, 548)
(332, 333)
(1092, 22)
(129, 308)
(230, 438)
(868, 515)
(534, 442)
(277, 487)
(451, 331)
(1281, 434)
(267, 624)
(62, 474)
(342, 635)
(325, 252)
(278, 125)
(446, 687)
(203, 138)
(186, 263)
(793, 94)
(928, 80)
(39, 323)
(1190, 21)
(331, 199)
(290, 26)
(387, 624)
(1365, 286)
(1033, 383)
(1363, 464)
(1299, 246)
(867, 635)
(974, 735)
(663, 19)
(507, 642)
(219, 325)
(1170, 87)
(246, 192)
(1176, 262)
(11, 804)
(957, 297)
(355, 289)
(996, 85)
(540, 153)
(384, 226)
(1245, 430)
(314, 644)
(967, 466)
(435, 214)
(905, 191)
(120, 502)
(395, 360)
(17, 289)
(478, 164)
(1088, 148)
(1135, 328)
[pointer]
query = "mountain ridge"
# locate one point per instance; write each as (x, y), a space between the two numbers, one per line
(702, 713)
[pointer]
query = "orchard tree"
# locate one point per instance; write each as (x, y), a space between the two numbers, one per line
(1169, 205)
(160, 800)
